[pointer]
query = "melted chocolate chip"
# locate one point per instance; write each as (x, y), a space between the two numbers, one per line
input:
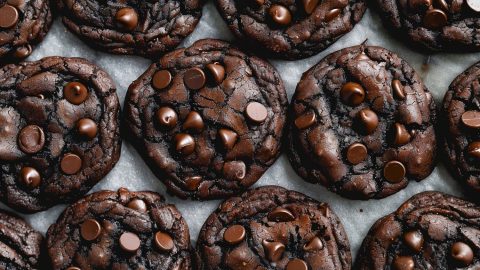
(281, 215)
(234, 170)
(234, 234)
(75, 93)
(90, 229)
(129, 242)
(306, 120)
(31, 139)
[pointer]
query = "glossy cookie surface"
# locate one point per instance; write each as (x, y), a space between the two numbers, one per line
(431, 230)
(120, 230)
(59, 131)
(208, 119)
(273, 228)
(362, 124)
(291, 29)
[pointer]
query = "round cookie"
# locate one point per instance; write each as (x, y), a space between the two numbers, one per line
(147, 28)
(434, 25)
(291, 29)
(273, 228)
(461, 117)
(20, 245)
(362, 124)
(431, 230)
(59, 131)
(120, 230)
(208, 119)
(23, 24)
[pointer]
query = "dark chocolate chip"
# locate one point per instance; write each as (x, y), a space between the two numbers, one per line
(185, 143)
(281, 214)
(280, 14)
(161, 79)
(217, 72)
(234, 234)
(87, 127)
(193, 122)
(273, 250)
(419, 4)
(166, 117)
(127, 18)
(256, 112)
(194, 78)
(352, 94)
(163, 241)
(138, 204)
(332, 14)
(234, 170)
(71, 164)
(90, 229)
(309, 5)
(314, 245)
(357, 153)
(23, 52)
(31, 139)
(414, 240)
(368, 120)
(75, 92)
(403, 263)
(462, 254)
(474, 149)
(228, 137)
(193, 182)
(394, 171)
(398, 90)
(8, 16)
(305, 120)
(471, 119)
(129, 242)
(30, 177)
(435, 19)
(401, 135)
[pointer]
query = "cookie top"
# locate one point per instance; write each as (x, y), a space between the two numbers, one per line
(59, 130)
(431, 230)
(147, 28)
(461, 117)
(273, 228)
(362, 124)
(23, 24)
(208, 119)
(435, 25)
(120, 230)
(291, 29)
(20, 245)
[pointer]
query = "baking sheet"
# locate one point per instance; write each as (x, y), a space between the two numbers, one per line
(437, 72)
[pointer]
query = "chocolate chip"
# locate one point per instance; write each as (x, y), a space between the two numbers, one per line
(314, 245)
(193, 122)
(352, 94)
(474, 5)
(30, 177)
(166, 117)
(474, 149)
(87, 127)
(193, 182)
(23, 52)
(401, 135)
(194, 78)
(71, 164)
(462, 254)
(394, 171)
(75, 92)
(161, 79)
(357, 153)
(127, 17)
(280, 14)
(256, 112)
(471, 119)
(306, 120)
(309, 5)
(296, 264)
(185, 143)
(31, 139)
(435, 18)
(368, 120)
(138, 204)
(8, 16)
(234, 234)
(129, 242)
(90, 229)
(217, 72)
(273, 250)
(403, 263)
(442, 4)
(228, 138)
(280, 215)
(414, 240)
(234, 170)
(419, 4)
(398, 90)
(332, 14)
(163, 241)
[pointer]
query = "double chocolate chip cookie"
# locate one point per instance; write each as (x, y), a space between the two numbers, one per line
(362, 124)
(435, 25)
(20, 245)
(148, 28)
(120, 230)
(291, 29)
(208, 119)
(273, 228)
(59, 131)
(431, 230)
(23, 24)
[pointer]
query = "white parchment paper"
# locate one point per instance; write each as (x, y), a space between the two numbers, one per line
(357, 216)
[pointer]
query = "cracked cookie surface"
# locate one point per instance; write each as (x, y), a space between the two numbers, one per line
(120, 230)
(273, 228)
(288, 28)
(208, 119)
(59, 131)
(431, 230)
(147, 28)
(362, 124)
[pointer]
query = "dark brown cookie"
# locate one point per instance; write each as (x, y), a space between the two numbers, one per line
(431, 230)
(208, 119)
(120, 230)
(23, 24)
(147, 28)
(59, 131)
(362, 124)
(435, 25)
(291, 29)
(461, 117)
(273, 228)
(20, 245)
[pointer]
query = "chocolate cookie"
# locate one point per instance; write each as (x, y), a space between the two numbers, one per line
(20, 245)
(120, 230)
(23, 24)
(147, 28)
(208, 119)
(437, 25)
(273, 228)
(431, 230)
(362, 124)
(291, 29)
(59, 131)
